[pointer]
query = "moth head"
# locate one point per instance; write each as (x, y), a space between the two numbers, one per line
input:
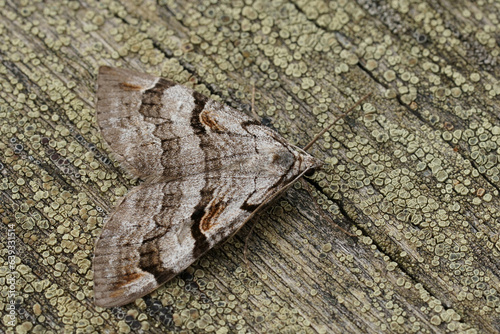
(308, 163)
(298, 160)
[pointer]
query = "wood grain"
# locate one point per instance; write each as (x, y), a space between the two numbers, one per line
(413, 173)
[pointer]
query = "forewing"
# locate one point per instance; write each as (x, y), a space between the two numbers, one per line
(159, 229)
(157, 128)
(129, 133)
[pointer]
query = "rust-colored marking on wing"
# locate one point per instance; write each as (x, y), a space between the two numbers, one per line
(117, 293)
(125, 280)
(214, 211)
(208, 119)
(129, 86)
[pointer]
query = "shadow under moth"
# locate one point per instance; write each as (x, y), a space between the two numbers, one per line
(206, 169)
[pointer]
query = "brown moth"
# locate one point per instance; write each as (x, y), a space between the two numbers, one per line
(207, 169)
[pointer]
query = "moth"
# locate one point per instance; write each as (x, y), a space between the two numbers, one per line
(206, 169)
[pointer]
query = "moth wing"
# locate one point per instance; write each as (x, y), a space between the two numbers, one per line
(159, 229)
(159, 129)
(208, 169)
(126, 130)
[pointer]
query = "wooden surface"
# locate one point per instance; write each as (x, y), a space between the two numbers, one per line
(414, 173)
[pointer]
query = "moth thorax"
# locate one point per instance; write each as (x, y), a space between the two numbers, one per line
(282, 158)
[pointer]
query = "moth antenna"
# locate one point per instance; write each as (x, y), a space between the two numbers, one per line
(335, 121)
(245, 248)
(253, 104)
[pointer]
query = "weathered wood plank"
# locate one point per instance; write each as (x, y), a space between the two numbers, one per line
(413, 174)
